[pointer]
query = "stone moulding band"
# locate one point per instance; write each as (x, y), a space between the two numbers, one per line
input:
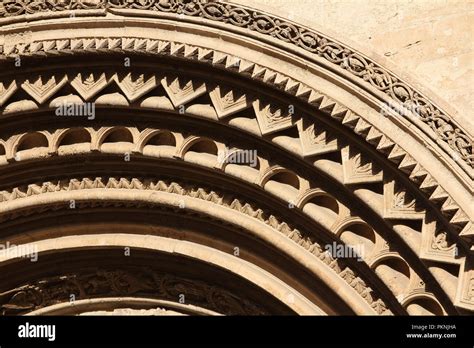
(164, 192)
(122, 304)
(359, 66)
(384, 145)
(151, 90)
(48, 291)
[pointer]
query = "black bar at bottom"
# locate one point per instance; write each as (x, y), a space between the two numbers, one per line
(245, 331)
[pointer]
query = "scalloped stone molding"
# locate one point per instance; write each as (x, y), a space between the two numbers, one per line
(315, 138)
(360, 66)
(420, 240)
(294, 235)
(433, 250)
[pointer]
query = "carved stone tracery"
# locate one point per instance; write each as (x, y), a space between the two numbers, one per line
(382, 143)
(446, 233)
(407, 206)
(109, 282)
(313, 42)
(305, 241)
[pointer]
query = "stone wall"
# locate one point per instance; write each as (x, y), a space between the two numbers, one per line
(431, 41)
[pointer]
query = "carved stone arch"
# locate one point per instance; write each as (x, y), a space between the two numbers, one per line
(147, 135)
(72, 137)
(196, 252)
(335, 122)
(194, 142)
(129, 134)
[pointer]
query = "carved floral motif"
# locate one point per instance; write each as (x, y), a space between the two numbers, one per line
(123, 282)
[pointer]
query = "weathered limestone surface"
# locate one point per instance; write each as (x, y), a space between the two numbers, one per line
(335, 154)
(431, 41)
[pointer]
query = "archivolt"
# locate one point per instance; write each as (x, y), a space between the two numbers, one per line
(330, 50)
(304, 137)
(333, 216)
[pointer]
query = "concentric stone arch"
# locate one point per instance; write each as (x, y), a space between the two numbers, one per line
(333, 167)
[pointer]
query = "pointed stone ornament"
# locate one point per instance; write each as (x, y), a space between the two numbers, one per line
(228, 101)
(218, 58)
(88, 44)
(315, 138)
(164, 47)
(350, 120)
(140, 44)
(281, 81)
(35, 47)
(258, 72)
(418, 174)
(191, 52)
(89, 84)
(385, 145)
(358, 168)
(6, 90)
(101, 44)
(49, 45)
(205, 55)
(114, 43)
(182, 90)
(136, 85)
(362, 127)
(292, 87)
(62, 44)
(42, 88)
(399, 203)
(428, 185)
(177, 49)
(449, 206)
(232, 63)
(468, 231)
(407, 164)
(397, 154)
(152, 45)
(374, 136)
(439, 195)
(339, 112)
(128, 43)
(271, 118)
(327, 104)
(460, 218)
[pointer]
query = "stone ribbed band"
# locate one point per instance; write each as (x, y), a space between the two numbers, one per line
(314, 42)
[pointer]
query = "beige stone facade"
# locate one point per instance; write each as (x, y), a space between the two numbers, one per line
(207, 158)
(430, 42)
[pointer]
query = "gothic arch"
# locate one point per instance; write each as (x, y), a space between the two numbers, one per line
(346, 153)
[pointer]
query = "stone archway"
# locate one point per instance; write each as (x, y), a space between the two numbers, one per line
(336, 150)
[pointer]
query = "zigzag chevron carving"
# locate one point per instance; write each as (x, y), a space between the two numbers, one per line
(314, 137)
(374, 75)
(218, 59)
(435, 245)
